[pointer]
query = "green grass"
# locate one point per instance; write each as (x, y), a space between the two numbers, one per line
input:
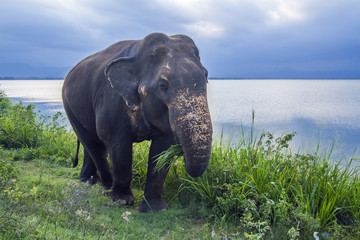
(48, 202)
(254, 189)
(166, 158)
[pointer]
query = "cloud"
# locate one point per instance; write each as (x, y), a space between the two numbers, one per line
(205, 29)
(282, 11)
(285, 11)
(232, 35)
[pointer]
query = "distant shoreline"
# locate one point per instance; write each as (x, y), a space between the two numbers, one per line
(211, 78)
(31, 78)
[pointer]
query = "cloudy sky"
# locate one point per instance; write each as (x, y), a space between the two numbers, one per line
(236, 38)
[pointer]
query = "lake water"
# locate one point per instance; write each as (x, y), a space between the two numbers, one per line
(325, 110)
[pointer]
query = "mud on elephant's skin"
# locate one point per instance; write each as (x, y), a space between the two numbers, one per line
(151, 89)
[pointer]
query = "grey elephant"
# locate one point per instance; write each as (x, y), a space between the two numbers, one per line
(151, 89)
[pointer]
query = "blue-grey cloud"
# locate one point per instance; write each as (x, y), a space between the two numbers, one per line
(235, 38)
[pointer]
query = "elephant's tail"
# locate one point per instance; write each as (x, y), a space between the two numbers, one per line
(75, 159)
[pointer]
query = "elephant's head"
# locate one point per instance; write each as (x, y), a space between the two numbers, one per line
(167, 81)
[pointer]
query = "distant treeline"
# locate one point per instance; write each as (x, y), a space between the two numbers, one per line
(7, 78)
(31, 78)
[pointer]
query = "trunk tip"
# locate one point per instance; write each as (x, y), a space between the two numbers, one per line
(196, 170)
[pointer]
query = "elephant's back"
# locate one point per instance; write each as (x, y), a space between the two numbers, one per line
(92, 67)
(88, 75)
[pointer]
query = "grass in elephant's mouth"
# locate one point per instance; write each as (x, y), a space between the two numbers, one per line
(168, 157)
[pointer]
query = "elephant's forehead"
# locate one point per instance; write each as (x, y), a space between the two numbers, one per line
(183, 71)
(180, 62)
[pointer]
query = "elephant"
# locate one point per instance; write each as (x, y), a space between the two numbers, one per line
(151, 89)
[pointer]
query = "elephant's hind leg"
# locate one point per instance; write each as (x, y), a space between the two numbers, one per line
(88, 171)
(94, 152)
(98, 158)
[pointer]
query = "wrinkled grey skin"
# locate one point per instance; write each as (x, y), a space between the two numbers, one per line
(151, 89)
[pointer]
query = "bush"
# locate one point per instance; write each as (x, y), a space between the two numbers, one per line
(31, 136)
(18, 126)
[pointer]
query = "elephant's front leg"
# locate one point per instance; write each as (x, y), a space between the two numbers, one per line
(155, 180)
(121, 161)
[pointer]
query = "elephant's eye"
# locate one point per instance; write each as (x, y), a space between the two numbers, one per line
(163, 84)
(163, 87)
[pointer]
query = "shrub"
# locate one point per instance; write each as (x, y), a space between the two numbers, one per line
(31, 136)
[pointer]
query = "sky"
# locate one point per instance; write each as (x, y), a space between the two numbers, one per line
(236, 38)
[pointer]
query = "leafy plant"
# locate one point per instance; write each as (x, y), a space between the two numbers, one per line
(31, 136)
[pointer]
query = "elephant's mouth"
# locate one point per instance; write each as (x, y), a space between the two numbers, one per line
(176, 140)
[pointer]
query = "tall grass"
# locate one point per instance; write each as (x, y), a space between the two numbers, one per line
(32, 136)
(260, 178)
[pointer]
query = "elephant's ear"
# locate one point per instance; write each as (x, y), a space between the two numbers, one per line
(122, 76)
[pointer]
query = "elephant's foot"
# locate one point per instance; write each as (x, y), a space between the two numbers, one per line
(95, 179)
(107, 185)
(122, 198)
(92, 179)
(153, 205)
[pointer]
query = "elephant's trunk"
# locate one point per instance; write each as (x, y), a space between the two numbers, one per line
(191, 123)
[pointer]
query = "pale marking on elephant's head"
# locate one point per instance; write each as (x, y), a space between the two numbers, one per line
(190, 62)
(167, 66)
(163, 76)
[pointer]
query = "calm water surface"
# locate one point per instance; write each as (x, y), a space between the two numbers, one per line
(325, 110)
(45, 94)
